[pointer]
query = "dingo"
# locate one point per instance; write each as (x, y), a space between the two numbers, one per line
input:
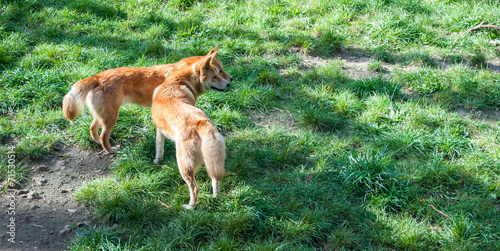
(196, 138)
(105, 92)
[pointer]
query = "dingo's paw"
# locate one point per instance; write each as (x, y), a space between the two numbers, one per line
(115, 148)
(187, 206)
(156, 161)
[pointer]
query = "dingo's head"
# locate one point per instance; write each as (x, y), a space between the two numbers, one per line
(212, 75)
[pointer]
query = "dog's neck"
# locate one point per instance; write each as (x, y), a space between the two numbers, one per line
(190, 81)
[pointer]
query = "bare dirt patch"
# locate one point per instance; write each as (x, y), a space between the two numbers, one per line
(494, 65)
(45, 213)
(490, 117)
(276, 118)
(356, 67)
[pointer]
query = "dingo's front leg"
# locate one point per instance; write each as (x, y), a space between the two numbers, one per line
(160, 147)
(215, 187)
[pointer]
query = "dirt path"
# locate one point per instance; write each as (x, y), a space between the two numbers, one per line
(46, 215)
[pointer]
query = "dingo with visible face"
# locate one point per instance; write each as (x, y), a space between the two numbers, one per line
(196, 139)
(105, 92)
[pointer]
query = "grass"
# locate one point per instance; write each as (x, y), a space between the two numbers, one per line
(361, 165)
(376, 66)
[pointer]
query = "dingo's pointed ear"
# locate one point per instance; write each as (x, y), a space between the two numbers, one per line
(205, 62)
(214, 50)
(214, 55)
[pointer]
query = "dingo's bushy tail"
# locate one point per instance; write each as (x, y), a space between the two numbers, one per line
(74, 101)
(213, 150)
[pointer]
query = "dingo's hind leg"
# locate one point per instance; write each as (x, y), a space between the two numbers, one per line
(94, 130)
(189, 159)
(107, 127)
(105, 110)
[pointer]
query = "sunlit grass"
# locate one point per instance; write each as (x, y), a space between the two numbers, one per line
(355, 164)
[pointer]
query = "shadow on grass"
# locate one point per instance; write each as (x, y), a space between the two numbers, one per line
(440, 183)
(38, 31)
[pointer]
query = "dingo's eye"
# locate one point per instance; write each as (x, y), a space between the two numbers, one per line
(215, 76)
(220, 71)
